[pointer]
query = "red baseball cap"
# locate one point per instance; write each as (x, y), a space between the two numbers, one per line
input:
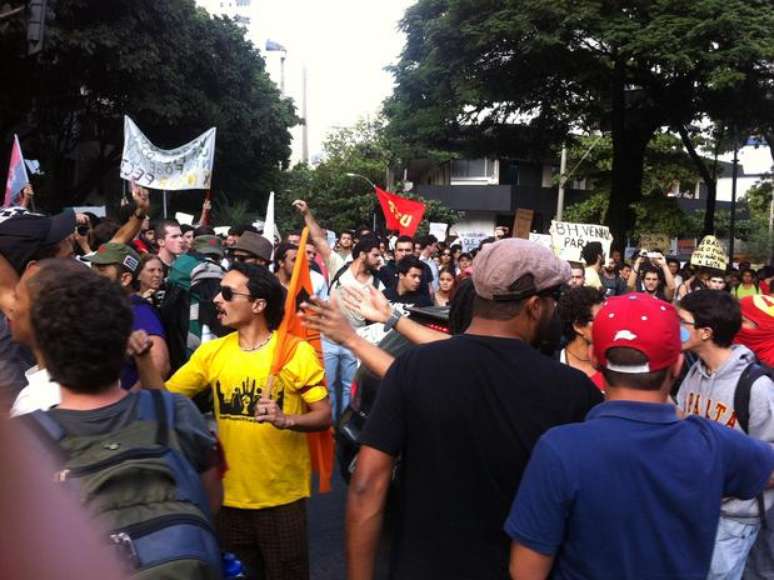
(642, 322)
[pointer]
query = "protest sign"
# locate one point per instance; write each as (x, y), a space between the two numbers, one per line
(471, 240)
(710, 254)
(184, 218)
(186, 167)
(569, 239)
(330, 237)
(653, 242)
(222, 230)
(439, 231)
(542, 240)
(522, 223)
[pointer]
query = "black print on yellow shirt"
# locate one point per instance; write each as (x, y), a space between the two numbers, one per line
(244, 399)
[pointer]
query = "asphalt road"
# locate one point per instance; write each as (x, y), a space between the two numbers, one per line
(325, 518)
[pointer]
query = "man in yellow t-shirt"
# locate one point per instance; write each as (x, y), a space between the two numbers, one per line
(260, 426)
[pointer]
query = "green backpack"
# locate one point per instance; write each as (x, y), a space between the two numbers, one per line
(141, 488)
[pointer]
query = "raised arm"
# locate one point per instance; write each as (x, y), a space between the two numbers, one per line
(669, 291)
(631, 283)
(132, 227)
(319, 239)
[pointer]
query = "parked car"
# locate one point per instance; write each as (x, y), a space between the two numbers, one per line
(365, 386)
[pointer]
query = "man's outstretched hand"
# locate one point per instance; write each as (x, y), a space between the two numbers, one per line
(326, 318)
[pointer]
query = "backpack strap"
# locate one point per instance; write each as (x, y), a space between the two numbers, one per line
(157, 405)
(742, 396)
(338, 275)
(743, 392)
(48, 432)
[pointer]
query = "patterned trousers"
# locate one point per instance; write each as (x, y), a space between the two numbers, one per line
(270, 542)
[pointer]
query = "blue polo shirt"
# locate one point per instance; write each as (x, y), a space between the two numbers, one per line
(634, 492)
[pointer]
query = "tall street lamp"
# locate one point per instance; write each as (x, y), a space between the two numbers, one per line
(272, 46)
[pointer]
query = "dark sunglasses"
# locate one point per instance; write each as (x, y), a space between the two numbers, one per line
(228, 293)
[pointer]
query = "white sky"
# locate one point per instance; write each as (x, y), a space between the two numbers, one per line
(345, 45)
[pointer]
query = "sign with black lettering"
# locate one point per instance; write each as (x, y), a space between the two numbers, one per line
(568, 239)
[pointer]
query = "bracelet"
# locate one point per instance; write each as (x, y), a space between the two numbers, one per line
(139, 215)
(392, 321)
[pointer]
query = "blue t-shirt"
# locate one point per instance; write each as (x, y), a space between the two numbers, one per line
(634, 492)
(145, 318)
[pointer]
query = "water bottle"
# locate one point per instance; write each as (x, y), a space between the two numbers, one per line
(232, 567)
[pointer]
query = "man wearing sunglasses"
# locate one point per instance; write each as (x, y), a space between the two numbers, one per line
(251, 248)
(464, 415)
(261, 424)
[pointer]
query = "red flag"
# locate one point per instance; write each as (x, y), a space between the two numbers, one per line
(17, 175)
(400, 213)
(290, 333)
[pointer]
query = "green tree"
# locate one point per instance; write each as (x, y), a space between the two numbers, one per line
(665, 164)
(343, 202)
(511, 77)
(176, 70)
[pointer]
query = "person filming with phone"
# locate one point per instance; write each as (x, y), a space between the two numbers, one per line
(651, 274)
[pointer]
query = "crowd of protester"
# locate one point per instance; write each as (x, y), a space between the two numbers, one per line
(594, 419)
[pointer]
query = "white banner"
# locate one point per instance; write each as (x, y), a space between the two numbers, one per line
(439, 231)
(186, 167)
(569, 239)
(471, 240)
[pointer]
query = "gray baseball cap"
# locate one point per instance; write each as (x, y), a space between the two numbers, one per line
(513, 269)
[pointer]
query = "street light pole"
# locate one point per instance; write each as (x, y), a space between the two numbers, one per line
(734, 174)
(305, 128)
(562, 181)
(372, 184)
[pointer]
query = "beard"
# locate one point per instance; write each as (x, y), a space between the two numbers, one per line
(549, 334)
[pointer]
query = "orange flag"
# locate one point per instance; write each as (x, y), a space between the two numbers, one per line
(290, 333)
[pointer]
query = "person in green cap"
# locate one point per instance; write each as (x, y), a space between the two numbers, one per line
(121, 264)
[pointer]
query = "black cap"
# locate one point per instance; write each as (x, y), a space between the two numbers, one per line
(23, 233)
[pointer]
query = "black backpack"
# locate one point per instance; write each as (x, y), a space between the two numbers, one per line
(742, 395)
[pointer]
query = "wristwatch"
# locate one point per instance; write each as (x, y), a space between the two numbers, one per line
(392, 320)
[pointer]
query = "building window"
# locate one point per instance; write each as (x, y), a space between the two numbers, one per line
(472, 168)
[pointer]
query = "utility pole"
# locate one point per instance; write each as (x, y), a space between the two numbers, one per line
(562, 181)
(732, 229)
(305, 128)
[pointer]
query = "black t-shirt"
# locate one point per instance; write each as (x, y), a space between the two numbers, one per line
(465, 414)
(411, 298)
(196, 442)
(388, 274)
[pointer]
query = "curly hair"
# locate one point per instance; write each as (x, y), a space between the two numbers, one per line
(575, 308)
(82, 323)
(263, 284)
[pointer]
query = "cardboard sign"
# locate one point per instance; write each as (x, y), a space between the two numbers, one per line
(184, 218)
(542, 240)
(710, 254)
(439, 231)
(653, 242)
(186, 167)
(471, 240)
(222, 230)
(569, 239)
(522, 223)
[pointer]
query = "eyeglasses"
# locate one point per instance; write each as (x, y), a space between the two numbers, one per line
(228, 293)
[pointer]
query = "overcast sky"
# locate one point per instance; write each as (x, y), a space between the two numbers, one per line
(345, 45)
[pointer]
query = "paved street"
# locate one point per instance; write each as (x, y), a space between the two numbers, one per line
(326, 535)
